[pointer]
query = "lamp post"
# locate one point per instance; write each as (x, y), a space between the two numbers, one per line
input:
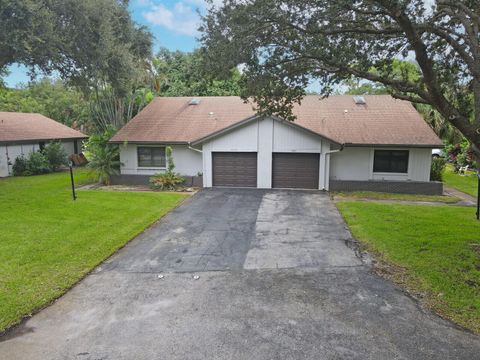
(70, 165)
(478, 195)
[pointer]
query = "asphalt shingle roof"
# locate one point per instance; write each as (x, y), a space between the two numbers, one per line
(28, 126)
(383, 120)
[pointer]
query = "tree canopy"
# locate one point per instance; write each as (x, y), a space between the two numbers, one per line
(90, 43)
(285, 44)
(53, 99)
(178, 73)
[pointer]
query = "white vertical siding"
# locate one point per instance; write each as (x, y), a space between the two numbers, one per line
(287, 138)
(324, 167)
(419, 164)
(351, 164)
(9, 153)
(187, 162)
(242, 139)
(356, 163)
(264, 136)
(3, 161)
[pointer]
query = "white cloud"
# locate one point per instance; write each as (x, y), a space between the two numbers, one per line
(181, 18)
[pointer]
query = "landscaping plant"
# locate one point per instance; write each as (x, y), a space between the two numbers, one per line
(56, 155)
(19, 167)
(169, 180)
(38, 164)
(461, 155)
(103, 157)
(436, 170)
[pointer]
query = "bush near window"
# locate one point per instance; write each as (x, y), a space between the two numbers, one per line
(166, 181)
(436, 170)
(169, 180)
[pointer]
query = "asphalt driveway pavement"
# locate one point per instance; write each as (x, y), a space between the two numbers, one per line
(239, 274)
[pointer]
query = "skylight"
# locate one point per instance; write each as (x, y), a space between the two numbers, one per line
(194, 101)
(359, 100)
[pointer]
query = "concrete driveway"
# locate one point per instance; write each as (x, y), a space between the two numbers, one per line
(277, 280)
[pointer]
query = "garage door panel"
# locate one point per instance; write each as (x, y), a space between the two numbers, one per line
(234, 169)
(295, 170)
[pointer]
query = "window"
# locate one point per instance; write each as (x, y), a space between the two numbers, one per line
(390, 161)
(151, 156)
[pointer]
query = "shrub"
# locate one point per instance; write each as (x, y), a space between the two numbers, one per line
(461, 154)
(436, 170)
(20, 166)
(168, 180)
(55, 154)
(104, 158)
(38, 164)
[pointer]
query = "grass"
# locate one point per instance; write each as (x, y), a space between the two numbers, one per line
(433, 251)
(369, 195)
(467, 183)
(49, 242)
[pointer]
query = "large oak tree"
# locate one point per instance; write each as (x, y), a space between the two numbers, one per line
(284, 44)
(91, 43)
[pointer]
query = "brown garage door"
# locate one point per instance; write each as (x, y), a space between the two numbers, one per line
(234, 169)
(293, 170)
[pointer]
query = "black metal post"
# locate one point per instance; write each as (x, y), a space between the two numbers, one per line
(70, 165)
(478, 195)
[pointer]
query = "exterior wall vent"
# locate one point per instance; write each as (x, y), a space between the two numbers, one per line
(194, 101)
(359, 100)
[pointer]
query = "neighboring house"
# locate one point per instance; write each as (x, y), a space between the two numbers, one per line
(23, 133)
(338, 143)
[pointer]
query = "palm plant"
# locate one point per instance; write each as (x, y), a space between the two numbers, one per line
(105, 163)
(104, 158)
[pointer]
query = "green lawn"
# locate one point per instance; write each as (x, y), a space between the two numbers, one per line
(466, 183)
(48, 242)
(370, 195)
(434, 250)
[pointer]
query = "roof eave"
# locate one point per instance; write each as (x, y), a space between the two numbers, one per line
(255, 117)
(15, 141)
(430, 146)
(149, 142)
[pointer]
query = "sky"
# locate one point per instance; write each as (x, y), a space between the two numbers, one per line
(173, 23)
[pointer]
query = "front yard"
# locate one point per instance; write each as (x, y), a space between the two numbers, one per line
(433, 251)
(467, 183)
(48, 242)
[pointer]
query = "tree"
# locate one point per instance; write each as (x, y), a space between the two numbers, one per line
(109, 111)
(91, 43)
(178, 73)
(284, 44)
(358, 87)
(53, 99)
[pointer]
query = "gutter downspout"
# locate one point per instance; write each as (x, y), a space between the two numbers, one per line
(342, 146)
(193, 149)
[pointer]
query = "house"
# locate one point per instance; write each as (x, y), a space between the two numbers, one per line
(375, 143)
(23, 133)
